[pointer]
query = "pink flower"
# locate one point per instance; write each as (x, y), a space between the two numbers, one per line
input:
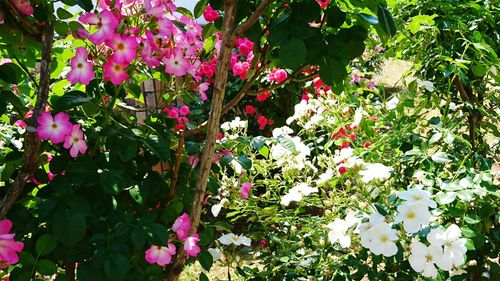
(202, 88)
(193, 161)
(154, 8)
(115, 71)
(244, 45)
(21, 124)
(160, 255)
(184, 110)
(81, 67)
(124, 48)
(191, 245)
(75, 141)
(367, 144)
(250, 109)
(342, 170)
(106, 23)
(54, 128)
(245, 189)
(210, 14)
(181, 226)
(240, 69)
(323, 3)
(278, 75)
(8, 246)
(176, 64)
(23, 6)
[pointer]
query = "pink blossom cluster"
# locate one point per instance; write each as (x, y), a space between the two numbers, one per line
(9, 248)
(178, 114)
(58, 129)
(118, 44)
(277, 75)
(163, 255)
(241, 61)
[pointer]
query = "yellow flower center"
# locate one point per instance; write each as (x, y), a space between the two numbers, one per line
(120, 46)
(410, 215)
(79, 65)
(384, 238)
(54, 126)
(429, 258)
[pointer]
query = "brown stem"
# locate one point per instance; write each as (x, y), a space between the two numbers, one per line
(176, 168)
(223, 63)
(70, 270)
(31, 141)
(474, 116)
(16, 20)
(253, 18)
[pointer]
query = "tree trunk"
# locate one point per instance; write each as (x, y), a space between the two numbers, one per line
(31, 140)
(223, 65)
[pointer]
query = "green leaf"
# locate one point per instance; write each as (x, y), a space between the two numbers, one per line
(199, 8)
(203, 277)
(184, 11)
(332, 71)
(70, 100)
(85, 4)
(63, 14)
(205, 259)
(386, 20)
(468, 232)
(245, 162)
(159, 146)
(293, 53)
(369, 18)
(116, 267)
(287, 143)
(46, 267)
(127, 148)
(45, 244)
(9, 97)
(160, 232)
(11, 73)
(112, 182)
(335, 17)
(137, 237)
(69, 227)
(223, 225)
(135, 193)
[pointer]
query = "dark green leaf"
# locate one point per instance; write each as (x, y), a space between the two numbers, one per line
(159, 146)
(70, 100)
(85, 4)
(245, 162)
(184, 11)
(11, 73)
(203, 277)
(199, 8)
(127, 148)
(46, 267)
(116, 267)
(386, 20)
(112, 182)
(45, 244)
(206, 259)
(9, 97)
(335, 16)
(332, 71)
(69, 227)
(293, 53)
(63, 14)
(369, 18)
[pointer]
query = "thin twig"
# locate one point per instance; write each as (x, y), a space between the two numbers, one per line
(253, 18)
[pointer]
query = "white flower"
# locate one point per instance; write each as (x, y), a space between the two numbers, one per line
(392, 103)
(216, 209)
(375, 171)
(454, 246)
(326, 176)
(343, 154)
(417, 196)
(296, 193)
(381, 239)
(358, 115)
(413, 216)
(283, 131)
(230, 238)
(364, 228)
(338, 233)
(306, 262)
(291, 159)
(215, 252)
(423, 258)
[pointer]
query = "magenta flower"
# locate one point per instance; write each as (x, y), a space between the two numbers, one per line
(75, 141)
(245, 190)
(191, 245)
(106, 23)
(244, 45)
(181, 226)
(193, 161)
(54, 128)
(176, 64)
(115, 71)
(184, 110)
(160, 255)
(8, 246)
(81, 67)
(124, 48)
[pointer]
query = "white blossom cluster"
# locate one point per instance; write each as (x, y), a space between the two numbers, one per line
(446, 249)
